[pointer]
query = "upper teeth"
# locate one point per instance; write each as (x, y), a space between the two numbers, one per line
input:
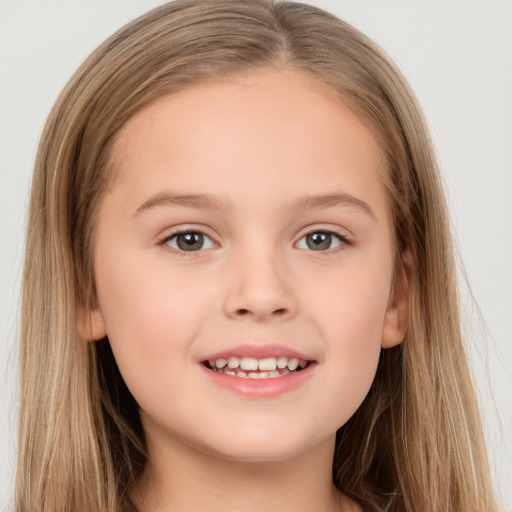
(265, 364)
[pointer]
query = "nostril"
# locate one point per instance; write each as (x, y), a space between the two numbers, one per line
(277, 312)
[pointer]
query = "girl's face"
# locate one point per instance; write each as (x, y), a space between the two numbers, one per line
(247, 229)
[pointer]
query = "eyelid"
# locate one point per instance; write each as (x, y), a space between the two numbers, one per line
(325, 228)
(191, 228)
(342, 234)
(172, 232)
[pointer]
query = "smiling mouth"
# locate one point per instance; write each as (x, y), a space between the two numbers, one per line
(252, 368)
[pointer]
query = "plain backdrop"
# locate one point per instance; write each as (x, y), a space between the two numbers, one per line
(457, 55)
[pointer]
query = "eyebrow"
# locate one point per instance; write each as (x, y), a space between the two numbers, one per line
(202, 201)
(219, 203)
(309, 202)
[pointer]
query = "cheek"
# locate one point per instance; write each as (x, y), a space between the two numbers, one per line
(349, 310)
(152, 317)
(350, 303)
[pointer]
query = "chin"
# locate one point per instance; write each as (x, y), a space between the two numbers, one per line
(268, 447)
(250, 455)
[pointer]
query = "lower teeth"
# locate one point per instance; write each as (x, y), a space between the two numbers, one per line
(256, 375)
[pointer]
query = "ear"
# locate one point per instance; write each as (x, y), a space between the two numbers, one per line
(91, 324)
(397, 313)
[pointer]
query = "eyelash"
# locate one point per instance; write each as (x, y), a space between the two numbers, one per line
(343, 239)
(169, 236)
(164, 240)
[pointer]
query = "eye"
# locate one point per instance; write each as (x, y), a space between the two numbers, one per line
(188, 241)
(321, 241)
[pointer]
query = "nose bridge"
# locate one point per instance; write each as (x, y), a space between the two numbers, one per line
(259, 286)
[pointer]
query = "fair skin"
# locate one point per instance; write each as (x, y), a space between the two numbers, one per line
(289, 254)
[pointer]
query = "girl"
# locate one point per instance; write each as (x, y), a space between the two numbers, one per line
(239, 291)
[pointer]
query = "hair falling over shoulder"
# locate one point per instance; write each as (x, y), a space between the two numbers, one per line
(416, 442)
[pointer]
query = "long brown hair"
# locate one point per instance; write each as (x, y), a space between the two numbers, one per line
(415, 443)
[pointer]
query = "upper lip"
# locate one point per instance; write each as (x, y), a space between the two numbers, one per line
(258, 351)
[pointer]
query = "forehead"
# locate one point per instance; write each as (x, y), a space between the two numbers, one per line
(278, 125)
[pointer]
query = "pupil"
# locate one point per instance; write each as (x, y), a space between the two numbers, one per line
(318, 241)
(190, 241)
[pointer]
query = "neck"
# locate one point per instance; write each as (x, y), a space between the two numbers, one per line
(180, 477)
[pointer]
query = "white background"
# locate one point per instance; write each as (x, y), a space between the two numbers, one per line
(457, 54)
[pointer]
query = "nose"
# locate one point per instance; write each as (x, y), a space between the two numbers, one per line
(259, 289)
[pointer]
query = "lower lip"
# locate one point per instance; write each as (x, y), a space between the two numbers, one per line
(259, 388)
